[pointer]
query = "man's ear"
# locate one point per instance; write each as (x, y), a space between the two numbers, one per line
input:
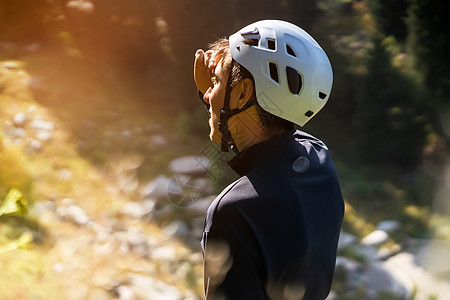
(243, 92)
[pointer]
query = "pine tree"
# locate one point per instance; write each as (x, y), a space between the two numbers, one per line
(429, 41)
(389, 118)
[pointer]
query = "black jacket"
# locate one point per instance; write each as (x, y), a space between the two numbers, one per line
(273, 233)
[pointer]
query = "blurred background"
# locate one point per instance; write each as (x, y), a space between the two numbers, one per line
(106, 168)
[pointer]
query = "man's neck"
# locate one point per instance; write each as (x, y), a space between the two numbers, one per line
(247, 130)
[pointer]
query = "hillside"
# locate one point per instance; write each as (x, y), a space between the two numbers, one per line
(66, 231)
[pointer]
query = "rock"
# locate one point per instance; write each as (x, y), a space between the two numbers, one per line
(197, 228)
(32, 109)
(20, 119)
(377, 279)
(125, 293)
(65, 174)
(176, 228)
(375, 238)
(149, 288)
(417, 280)
(183, 269)
(34, 145)
(43, 135)
(77, 215)
(369, 253)
(39, 124)
(158, 141)
(389, 226)
(46, 211)
(11, 65)
(198, 208)
(134, 210)
(133, 240)
(163, 213)
(346, 240)
(164, 253)
(18, 133)
(160, 187)
(346, 265)
(433, 255)
(80, 7)
(385, 253)
(205, 185)
(74, 214)
(191, 165)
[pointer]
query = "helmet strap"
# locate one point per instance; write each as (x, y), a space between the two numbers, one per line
(226, 113)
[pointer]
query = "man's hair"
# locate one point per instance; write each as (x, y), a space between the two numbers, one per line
(270, 122)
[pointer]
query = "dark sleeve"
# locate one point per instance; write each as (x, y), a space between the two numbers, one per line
(232, 261)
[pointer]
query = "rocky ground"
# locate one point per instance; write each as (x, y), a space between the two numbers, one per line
(107, 234)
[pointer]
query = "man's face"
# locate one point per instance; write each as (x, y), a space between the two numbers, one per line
(215, 96)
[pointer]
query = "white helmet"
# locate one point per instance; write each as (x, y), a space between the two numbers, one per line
(293, 76)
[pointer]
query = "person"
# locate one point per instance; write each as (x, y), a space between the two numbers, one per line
(273, 233)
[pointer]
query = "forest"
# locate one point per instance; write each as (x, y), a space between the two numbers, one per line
(97, 102)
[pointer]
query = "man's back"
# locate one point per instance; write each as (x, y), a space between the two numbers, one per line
(273, 233)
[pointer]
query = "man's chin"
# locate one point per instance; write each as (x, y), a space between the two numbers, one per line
(215, 137)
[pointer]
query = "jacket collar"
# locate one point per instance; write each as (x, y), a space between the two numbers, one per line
(259, 154)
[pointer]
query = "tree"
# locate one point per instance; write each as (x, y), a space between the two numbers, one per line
(429, 42)
(391, 16)
(389, 120)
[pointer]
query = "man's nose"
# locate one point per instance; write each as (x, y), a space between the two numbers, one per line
(207, 95)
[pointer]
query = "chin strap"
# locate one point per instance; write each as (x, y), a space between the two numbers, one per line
(226, 113)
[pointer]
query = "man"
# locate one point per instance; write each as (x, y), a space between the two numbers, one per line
(273, 233)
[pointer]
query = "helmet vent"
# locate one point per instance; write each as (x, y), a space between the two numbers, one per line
(273, 72)
(254, 42)
(322, 95)
(290, 51)
(309, 113)
(294, 80)
(271, 44)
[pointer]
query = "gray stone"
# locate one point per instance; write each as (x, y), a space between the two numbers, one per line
(369, 253)
(204, 184)
(20, 119)
(18, 133)
(74, 214)
(163, 212)
(11, 65)
(35, 145)
(198, 207)
(176, 228)
(434, 255)
(43, 135)
(32, 109)
(148, 288)
(137, 242)
(389, 226)
(191, 165)
(159, 188)
(346, 240)
(65, 174)
(125, 293)
(133, 210)
(39, 124)
(416, 279)
(377, 279)
(346, 265)
(158, 141)
(375, 238)
(77, 215)
(385, 253)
